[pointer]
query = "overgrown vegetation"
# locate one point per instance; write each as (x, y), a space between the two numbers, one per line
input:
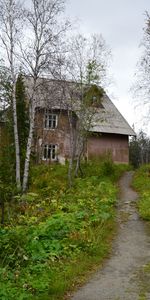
(142, 185)
(7, 149)
(139, 150)
(55, 234)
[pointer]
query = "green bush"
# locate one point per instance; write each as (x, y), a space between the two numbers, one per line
(142, 185)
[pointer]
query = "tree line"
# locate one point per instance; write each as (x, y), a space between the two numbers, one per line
(139, 150)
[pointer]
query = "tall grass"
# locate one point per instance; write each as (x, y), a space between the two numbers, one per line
(142, 185)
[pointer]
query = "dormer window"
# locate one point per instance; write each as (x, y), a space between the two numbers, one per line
(94, 99)
(51, 120)
(96, 102)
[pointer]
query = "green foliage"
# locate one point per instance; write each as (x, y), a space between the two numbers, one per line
(134, 152)
(92, 72)
(142, 185)
(7, 148)
(139, 150)
(56, 230)
(5, 86)
(7, 165)
(7, 154)
(7, 151)
(93, 95)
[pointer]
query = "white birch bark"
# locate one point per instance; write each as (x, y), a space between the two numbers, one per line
(16, 138)
(28, 152)
(40, 56)
(9, 16)
(72, 148)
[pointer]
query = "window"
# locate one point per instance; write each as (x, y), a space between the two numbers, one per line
(96, 102)
(51, 120)
(50, 152)
(94, 99)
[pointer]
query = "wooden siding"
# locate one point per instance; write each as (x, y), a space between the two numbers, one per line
(115, 145)
(98, 145)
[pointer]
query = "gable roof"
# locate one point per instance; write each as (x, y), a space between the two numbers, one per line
(110, 120)
(55, 94)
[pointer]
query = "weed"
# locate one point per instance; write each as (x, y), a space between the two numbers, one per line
(58, 233)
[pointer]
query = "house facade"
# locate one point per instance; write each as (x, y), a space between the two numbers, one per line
(108, 134)
(112, 134)
(52, 136)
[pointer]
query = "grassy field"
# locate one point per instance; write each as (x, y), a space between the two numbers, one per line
(54, 235)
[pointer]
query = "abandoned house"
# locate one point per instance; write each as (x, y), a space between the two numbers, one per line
(57, 102)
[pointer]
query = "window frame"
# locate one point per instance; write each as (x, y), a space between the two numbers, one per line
(52, 117)
(49, 148)
(96, 102)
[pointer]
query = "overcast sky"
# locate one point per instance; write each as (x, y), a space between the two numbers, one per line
(121, 23)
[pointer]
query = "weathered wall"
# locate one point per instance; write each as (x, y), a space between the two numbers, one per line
(59, 136)
(98, 145)
(114, 144)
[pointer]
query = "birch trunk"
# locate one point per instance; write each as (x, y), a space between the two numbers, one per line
(39, 57)
(16, 137)
(72, 150)
(28, 152)
(78, 162)
(11, 56)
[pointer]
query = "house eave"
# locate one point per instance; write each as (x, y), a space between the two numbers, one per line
(120, 131)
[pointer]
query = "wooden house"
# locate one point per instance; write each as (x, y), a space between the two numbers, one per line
(56, 101)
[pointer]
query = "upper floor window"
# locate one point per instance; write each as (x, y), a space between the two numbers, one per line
(51, 120)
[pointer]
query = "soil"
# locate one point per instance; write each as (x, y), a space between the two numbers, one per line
(123, 276)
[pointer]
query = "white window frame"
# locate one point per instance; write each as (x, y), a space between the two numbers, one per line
(50, 119)
(50, 155)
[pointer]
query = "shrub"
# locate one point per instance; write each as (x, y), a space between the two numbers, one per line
(142, 185)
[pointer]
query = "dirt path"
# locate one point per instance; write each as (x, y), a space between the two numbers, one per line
(122, 277)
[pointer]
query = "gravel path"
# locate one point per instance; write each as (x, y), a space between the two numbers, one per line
(122, 277)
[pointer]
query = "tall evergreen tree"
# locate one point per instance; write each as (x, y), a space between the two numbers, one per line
(7, 136)
(7, 146)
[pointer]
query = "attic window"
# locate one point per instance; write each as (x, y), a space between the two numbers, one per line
(51, 120)
(94, 99)
(96, 102)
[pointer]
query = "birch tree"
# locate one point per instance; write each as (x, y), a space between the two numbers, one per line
(144, 63)
(46, 30)
(141, 87)
(87, 65)
(9, 34)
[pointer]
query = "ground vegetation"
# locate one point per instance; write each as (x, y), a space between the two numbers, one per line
(53, 235)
